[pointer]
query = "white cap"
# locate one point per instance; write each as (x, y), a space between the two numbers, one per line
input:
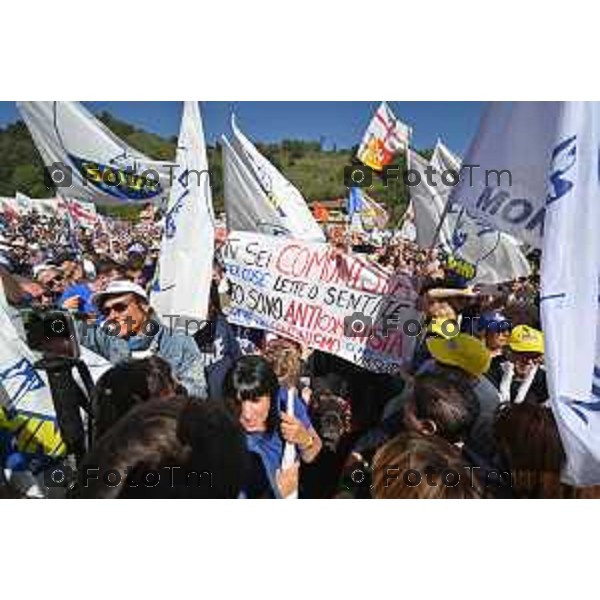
(39, 269)
(119, 288)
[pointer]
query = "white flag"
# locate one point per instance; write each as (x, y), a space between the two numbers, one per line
(570, 274)
(506, 184)
(26, 406)
(385, 137)
(246, 204)
(373, 213)
(186, 254)
(96, 164)
(289, 204)
(481, 253)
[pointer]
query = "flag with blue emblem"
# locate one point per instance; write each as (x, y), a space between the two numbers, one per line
(186, 254)
(520, 160)
(485, 255)
(86, 159)
(570, 281)
(355, 202)
(27, 417)
(254, 186)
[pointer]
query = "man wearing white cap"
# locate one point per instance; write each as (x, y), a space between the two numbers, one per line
(132, 330)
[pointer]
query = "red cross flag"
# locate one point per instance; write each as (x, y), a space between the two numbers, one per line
(385, 137)
(82, 213)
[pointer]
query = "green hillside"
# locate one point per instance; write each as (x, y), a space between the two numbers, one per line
(318, 173)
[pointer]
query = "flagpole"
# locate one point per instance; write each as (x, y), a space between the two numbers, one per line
(405, 215)
(440, 224)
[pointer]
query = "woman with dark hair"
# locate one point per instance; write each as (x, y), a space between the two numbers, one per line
(253, 392)
(127, 384)
(442, 406)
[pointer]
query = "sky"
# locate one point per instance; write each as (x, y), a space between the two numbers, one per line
(340, 123)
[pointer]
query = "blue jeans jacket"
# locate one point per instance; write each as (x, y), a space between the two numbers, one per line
(179, 350)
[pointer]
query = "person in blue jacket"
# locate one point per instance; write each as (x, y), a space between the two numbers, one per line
(259, 403)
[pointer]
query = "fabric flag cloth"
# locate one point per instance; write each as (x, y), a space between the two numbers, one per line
(86, 160)
(507, 187)
(552, 150)
(253, 186)
(10, 208)
(482, 254)
(82, 213)
(374, 213)
(46, 206)
(246, 205)
(385, 137)
(355, 202)
(570, 290)
(24, 202)
(408, 230)
(361, 207)
(187, 248)
(27, 416)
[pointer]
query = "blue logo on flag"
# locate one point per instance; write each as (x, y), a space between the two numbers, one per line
(19, 379)
(120, 182)
(170, 223)
(564, 157)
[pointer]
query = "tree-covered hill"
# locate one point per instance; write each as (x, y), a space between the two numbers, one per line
(318, 173)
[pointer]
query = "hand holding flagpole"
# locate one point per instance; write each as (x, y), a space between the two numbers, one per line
(289, 452)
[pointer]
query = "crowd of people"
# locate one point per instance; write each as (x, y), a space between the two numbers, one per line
(230, 412)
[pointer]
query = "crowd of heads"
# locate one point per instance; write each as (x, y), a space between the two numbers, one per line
(469, 419)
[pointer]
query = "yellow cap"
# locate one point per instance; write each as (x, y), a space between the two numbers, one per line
(446, 328)
(462, 351)
(526, 339)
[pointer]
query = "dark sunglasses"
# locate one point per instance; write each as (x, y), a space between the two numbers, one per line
(119, 307)
(54, 280)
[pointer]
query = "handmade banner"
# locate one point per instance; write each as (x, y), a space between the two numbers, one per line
(322, 298)
(82, 213)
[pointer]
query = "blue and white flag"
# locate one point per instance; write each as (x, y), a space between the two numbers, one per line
(28, 423)
(87, 161)
(504, 174)
(570, 281)
(187, 246)
(355, 202)
(276, 195)
(485, 255)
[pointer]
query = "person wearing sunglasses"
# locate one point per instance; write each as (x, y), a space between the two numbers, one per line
(53, 283)
(523, 374)
(131, 329)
